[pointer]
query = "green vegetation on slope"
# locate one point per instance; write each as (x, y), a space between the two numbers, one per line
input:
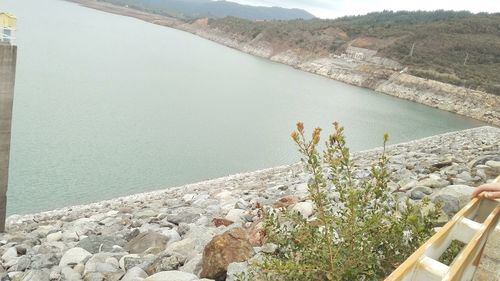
(460, 48)
(361, 229)
(189, 9)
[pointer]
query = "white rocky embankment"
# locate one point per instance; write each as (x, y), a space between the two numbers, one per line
(363, 68)
(201, 231)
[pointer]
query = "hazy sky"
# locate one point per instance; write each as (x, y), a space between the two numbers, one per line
(337, 8)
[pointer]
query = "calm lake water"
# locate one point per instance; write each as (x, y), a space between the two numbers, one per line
(108, 105)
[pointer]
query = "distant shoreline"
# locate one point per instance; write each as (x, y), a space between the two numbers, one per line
(378, 73)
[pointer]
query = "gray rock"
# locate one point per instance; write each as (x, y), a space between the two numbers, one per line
(101, 263)
(185, 247)
(22, 264)
(193, 265)
(183, 229)
(69, 274)
(128, 261)
(193, 243)
(183, 217)
(166, 262)
(33, 275)
(172, 235)
(74, 256)
(407, 185)
(134, 274)
(493, 164)
(241, 204)
(103, 276)
(269, 248)
(70, 236)
(21, 250)
(235, 215)
(172, 276)
(83, 226)
(235, 268)
(425, 189)
(147, 261)
(451, 205)
(98, 243)
(306, 209)
(493, 168)
(80, 268)
(417, 194)
(10, 254)
(55, 273)
(461, 192)
(147, 241)
(56, 236)
(132, 234)
(434, 183)
(145, 214)
(113, 261)
(44, 261)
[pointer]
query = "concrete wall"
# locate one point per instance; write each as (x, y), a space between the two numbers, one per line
(8, 55)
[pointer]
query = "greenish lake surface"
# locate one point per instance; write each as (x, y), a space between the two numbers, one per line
(107, 105)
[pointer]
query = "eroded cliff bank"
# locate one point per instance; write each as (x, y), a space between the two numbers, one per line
(162, 235)
(356, 66)
(363, 68)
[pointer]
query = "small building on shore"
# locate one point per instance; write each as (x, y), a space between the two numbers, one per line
(7, 27)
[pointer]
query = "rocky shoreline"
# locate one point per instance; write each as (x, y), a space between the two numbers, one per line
(207, 228)
(357, 66)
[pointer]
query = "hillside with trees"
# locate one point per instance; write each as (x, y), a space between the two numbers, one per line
(190, 9)
(459, 48)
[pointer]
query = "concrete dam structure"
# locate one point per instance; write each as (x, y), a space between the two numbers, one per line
(8, 56)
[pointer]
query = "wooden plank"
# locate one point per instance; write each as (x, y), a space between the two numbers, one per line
(437, 240)
(469, 254)
(461, 227)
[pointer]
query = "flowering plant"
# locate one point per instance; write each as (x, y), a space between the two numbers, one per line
(360, 230)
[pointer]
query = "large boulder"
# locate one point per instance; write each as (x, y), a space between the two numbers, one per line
(463, 193)
(230, 246)
(147, 241)
(450, 204)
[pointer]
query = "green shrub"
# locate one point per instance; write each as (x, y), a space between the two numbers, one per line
(360, 230)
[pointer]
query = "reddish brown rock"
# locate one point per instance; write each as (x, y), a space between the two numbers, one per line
(257, 233)
(221, 221)
(286, 201)
(231, 246)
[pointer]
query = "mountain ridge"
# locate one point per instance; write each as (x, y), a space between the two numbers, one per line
(193, 9)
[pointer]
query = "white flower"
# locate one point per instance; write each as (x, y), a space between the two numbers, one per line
(407, 236)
